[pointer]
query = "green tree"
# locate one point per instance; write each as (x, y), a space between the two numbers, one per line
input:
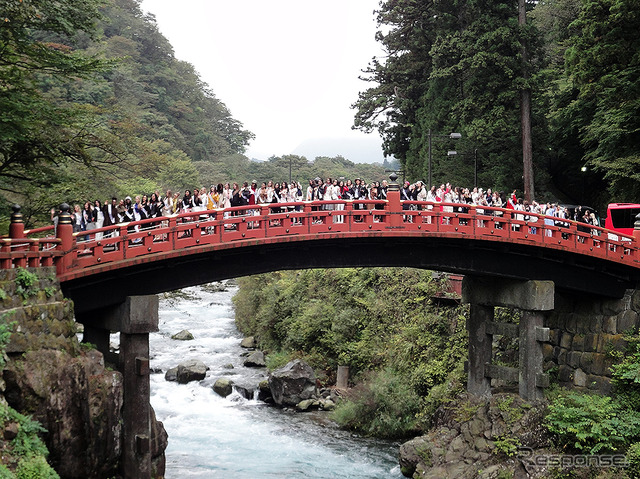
(39, 128)
(603, 65)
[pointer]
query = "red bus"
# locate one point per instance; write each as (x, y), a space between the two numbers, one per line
(621, 217)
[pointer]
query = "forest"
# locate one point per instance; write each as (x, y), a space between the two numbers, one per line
(459, 66)
(94, 102)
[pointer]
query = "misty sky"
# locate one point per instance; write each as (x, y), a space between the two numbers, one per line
(287, 69)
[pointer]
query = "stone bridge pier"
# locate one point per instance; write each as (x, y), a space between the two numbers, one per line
(535, 299)
(134, 319)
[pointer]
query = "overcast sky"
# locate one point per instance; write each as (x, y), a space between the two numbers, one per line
(287, 69)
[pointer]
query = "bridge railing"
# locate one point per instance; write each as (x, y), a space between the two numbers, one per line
(223, 228)
(502, 224)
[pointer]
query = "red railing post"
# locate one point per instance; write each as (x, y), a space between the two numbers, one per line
(34, 257)
(395, 206)
(5, 247)
(65, 234)
(16, 228)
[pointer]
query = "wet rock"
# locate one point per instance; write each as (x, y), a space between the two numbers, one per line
(292, 383)
(327, 404)
(223, 387)
(171, 374)
(306, 405)
(264, 392)
(255, 360)
(10, 431)
(183, 335)
(245, 391)
(249, 342)
(191, 370)
(412, 453)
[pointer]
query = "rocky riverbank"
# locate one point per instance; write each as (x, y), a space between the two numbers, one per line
(65, 386)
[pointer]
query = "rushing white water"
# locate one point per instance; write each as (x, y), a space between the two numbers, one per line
(215, 437)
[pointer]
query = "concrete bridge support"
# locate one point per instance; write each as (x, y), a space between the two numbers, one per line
(535, 299)
(135, 319)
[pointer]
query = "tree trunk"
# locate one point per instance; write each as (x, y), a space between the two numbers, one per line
(525, 112)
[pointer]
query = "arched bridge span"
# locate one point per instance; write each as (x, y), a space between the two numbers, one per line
(101, 267)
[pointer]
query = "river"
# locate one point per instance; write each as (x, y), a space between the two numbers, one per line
(215, 437)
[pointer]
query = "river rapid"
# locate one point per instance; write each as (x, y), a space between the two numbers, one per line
(215, 437)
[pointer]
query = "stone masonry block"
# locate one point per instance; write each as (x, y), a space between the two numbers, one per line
(601, 384)
(573, 359)
(612, 307)
(572, 323)
(527, 295)
(628, 321)
(610, 325)
(586, 361)
(590, 342)
(597, 366)
(566, 340)
(595, 323)
(554, 337)
(606, 342)
(635, 301)
(578, 342)
(562, 356)
(547, 351)
(580, 378)
(565, 374)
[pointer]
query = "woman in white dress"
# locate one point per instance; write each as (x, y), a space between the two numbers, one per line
(99, 217)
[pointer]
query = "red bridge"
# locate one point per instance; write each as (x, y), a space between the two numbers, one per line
(103, 266)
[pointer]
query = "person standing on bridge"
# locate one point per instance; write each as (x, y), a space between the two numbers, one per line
(548, 221)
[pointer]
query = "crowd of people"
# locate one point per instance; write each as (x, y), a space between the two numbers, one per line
(96, 214)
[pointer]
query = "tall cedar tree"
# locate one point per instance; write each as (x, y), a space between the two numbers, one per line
(451, 66)
(603, 64)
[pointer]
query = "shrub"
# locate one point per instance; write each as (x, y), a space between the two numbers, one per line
(633, 456)
(592, 423)
(384, 406)
(35, 468)
(507, 445)
(5, 473)
(26, 283)
(6, 328)
(626, 378)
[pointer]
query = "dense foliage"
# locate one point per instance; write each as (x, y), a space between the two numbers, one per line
(593, 423)
(458, 67)
(382, 323)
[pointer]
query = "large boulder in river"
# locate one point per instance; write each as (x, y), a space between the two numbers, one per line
(249, 342)
(223, 387)
(255, 360)
(191, 370)
(292, 383)
(183, 335)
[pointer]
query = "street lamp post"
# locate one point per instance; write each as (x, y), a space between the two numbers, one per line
(584, 172)
(475, 163)
(451, 136)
